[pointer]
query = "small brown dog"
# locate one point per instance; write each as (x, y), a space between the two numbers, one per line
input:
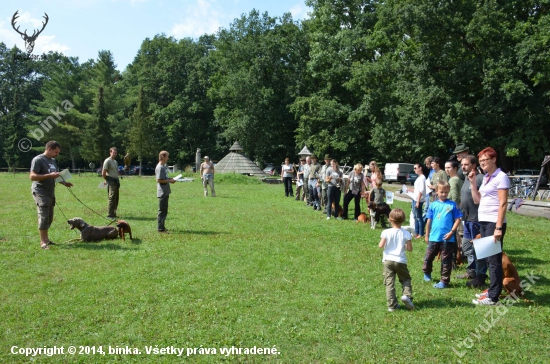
(363, 218)
(123, 228)
(511, 277)
(340, 211)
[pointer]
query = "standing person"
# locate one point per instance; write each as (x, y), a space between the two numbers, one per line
(461, 151)
(306, 196)
(207, 176)
(110, 175)
(333, 177)
(300, 179)
(456, 183)
(313, 182)
(439, 174)
(419, 199)
(286, 176)
(492, 197)
(356, 189)
(394, 241)
(375, 175)
(443, 219)
(475, 268)
(451, 168)
(378, 196)
(43, 174)
(163, 190)
(323, 184)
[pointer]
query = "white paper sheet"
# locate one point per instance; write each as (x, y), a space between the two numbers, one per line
(485, 247)
(389, 197)
(178, 177)
(65, 174)
(102, 185)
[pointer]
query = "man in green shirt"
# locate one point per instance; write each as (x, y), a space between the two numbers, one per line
(110, 175)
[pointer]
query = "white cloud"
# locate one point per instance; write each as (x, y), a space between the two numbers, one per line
(299, 11)
(44, 43)
(203, 17)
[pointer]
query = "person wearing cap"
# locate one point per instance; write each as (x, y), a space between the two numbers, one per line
(300, 178)
(207, 176)
(461, 151)
(313, 181)
(324, 185)
(306, 196)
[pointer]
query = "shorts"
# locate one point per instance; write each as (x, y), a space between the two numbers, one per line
(44, 207)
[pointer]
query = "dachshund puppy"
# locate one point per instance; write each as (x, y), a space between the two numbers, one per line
(123, 229)
(363, 218)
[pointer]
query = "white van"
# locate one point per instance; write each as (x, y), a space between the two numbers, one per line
(397, 172)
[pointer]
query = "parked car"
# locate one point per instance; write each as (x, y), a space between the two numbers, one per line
(411, 178)
(272, 170)
(397, 172)
(147, 171)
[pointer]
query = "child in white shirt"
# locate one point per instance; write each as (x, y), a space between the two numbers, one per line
(394, 241)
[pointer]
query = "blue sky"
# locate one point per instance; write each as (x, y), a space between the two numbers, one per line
(83, 27)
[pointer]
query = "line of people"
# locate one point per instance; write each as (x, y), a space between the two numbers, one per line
(322, 186)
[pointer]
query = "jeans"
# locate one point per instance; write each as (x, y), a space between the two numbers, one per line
(418, 220)
(313, 193)
(471, 229)
(433, 249)
(347, 199)
(333, 196)
(494, 261)
(287, 181)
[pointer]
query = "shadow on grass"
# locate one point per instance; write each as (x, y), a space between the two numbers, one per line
(140, 218)
(96, 246)
(197, 232)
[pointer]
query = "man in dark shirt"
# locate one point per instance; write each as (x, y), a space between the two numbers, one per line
(471, 225)
(43, 173)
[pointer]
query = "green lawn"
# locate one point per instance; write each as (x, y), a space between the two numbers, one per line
(246, 269)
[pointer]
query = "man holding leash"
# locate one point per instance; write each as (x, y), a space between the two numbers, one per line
(207, 176)
(43, 174)
(110, 175)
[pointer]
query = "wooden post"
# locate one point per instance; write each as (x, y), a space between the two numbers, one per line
(544, 163)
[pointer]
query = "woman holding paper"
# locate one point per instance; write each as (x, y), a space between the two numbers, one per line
(492, 197)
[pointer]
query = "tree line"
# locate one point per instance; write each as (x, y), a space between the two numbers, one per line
(389, 80)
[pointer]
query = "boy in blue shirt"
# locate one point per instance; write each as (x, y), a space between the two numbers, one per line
(443, 219)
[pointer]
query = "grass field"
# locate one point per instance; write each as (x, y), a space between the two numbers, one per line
(246, 269)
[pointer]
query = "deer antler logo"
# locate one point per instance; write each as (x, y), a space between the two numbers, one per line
(29, 41)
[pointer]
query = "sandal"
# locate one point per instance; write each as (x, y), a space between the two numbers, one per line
(45, 246)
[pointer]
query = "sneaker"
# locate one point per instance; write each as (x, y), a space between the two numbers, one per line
(328, 218)
(483, 294)
(484, 302)
(441, 285)
(427, 277)
(407, 302)
(391, 309)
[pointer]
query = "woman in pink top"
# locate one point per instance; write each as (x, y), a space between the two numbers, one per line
(492, 197)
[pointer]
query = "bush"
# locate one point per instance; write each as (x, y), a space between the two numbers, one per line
(236, 178)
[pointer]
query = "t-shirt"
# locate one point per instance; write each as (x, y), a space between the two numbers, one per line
(420, 186)
(111, 166)
(489, 204)
(334, 174)
(44, 165)
(439, 175)
(301, 175)
(467, 205)
(288, 170)
(306, 171)
(377, 195)
(314, 171)
(355, 181)
(456, 185)
(396, 240)
(161, 172)
(443, 215)
(323, 175)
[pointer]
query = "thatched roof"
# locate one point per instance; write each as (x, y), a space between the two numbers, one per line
(236, 147)
(238, 163)
(304, 151)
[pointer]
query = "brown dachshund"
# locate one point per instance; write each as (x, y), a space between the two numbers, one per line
(123, 229)
(340, 211)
